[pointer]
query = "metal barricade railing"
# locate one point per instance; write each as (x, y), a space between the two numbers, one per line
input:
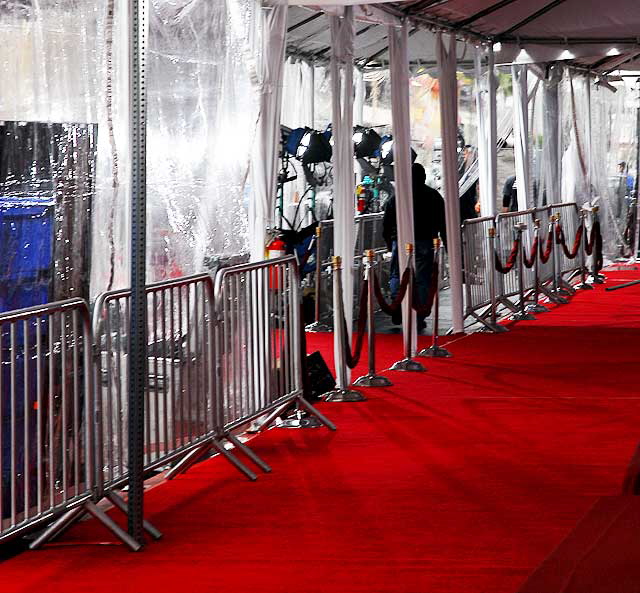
(258, 348)
(505, 233)
(569, 218)
(181, 389)
(545, 269)
(47, 439)
(45, 414)
(477, 263)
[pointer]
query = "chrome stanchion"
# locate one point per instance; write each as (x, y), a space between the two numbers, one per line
(597, 277)
(556, 290)
(371, 379)
(317, 325)
(536, 306)
(341, 393)
(407, 363)
(521, 314)
(493, 325)
(435, 350)
(584, 285)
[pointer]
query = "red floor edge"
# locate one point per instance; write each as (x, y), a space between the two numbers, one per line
(462, 479)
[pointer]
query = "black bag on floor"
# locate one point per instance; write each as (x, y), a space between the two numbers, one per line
(319, 377)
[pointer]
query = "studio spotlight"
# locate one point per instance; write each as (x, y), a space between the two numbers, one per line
(366, 142)
(386, 151)
(308, 146)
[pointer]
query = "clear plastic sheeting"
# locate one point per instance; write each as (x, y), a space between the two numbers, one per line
(202, 110)
(64, 104)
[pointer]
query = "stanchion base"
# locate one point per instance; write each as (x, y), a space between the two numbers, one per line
(344, 395)
(599, 279)
(522, 316)
(584, 286)
(317, 327)
(557, 299)
(435, 352)
(408, 364)
(372, 381)
(537, 308)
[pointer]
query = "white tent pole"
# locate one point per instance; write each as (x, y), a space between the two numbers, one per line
(342, 37)
(400, 106)
(521, 134)
(587, 82)
(551, 145)
(265, 154)
(493, 135)
(447, 61)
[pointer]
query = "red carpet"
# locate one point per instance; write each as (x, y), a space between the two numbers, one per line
(463, 479)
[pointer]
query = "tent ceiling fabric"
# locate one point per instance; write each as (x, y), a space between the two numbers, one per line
(591, 33)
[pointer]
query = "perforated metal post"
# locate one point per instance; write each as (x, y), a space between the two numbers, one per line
(342, 393)
(138, 310)
(435, 350)
(407, 363)
(371, 379)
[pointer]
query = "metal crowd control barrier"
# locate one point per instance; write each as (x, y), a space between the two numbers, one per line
(508, 226)
(485, 290)
(180, 386)
(258, 349)
(368, 236)
(46, 421)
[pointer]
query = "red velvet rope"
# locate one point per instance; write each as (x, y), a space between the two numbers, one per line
(425, 308)
(352, 359)
(546, 253)
(560, 240)
(390, 309)
(511, 260)
(531, 260)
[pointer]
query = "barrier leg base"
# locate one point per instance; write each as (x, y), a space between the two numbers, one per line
(408, 364)
(344, 395)
(317, 327)
(537, 308)
(300, 421)
(238, 444)
(435, 352)
(58, 527)
(522, 316)
(493, 328)
(583, 286)
(120, 504)
(314, 412)
(372, 380)
(187, 461)
(233, 460)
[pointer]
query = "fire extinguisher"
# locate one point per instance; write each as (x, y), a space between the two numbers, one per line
(275, 249)
(361, 203)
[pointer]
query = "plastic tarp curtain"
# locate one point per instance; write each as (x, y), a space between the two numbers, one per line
(266, 148)
(487, 131)
(551, 134)
(399, 67)
(342, 37)
(521, 135)
(449, 125)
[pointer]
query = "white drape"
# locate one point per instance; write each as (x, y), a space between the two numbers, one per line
(265, 155)
(399, 66)
(521, 135)
(551, 133)
(487, 131)
(449, 125)
(358, 104)
(342, 37)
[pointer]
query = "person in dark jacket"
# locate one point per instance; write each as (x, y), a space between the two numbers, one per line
(428, 224)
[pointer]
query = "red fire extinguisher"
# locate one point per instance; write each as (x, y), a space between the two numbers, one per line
(275, 249)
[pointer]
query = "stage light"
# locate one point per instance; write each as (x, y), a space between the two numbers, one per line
(386, 151)
(308, 146)
(366, 142)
